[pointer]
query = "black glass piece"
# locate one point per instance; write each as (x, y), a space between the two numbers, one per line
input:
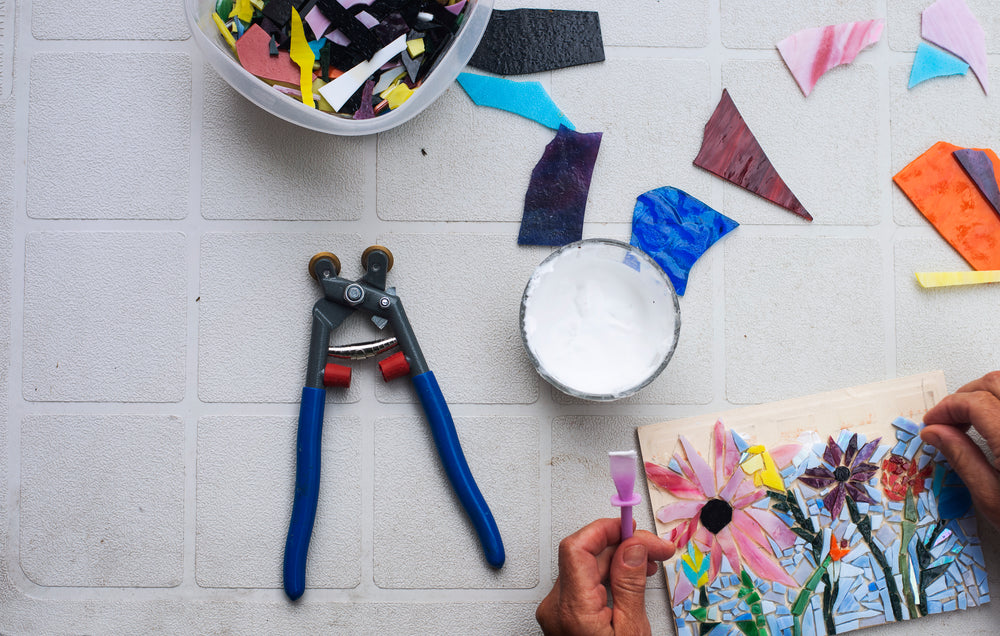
(716, 515)
(522, 41)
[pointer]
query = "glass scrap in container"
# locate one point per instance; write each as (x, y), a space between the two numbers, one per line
(817, 515)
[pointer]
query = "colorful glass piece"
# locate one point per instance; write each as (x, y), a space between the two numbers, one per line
(675, 229)
(930, 62)
(981, 170)
(811, 52)
(527, 99)
(254, 52)
(557, 194)
(947, 279)
(730, 150)
(942, 191)
(951, 25)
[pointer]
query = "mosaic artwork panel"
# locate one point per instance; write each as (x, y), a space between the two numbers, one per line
(835, 530)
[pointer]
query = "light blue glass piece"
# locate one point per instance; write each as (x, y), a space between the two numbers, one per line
(886, 605)
(985, 598)
(880, 452)
(895, 505)
(729, 605)
(844, 438)
(783, 623)
(741, 445)
(923, 461)
(675, 466)
(963, 600)
(913, 447)
(930, 61)
(527, 99)
(906, 426)
(933, 607)
(899, 448)
(951, 606)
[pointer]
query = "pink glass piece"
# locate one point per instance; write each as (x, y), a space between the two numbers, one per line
(702, 471)
(728, 546)
(317, 22)
(811, 52)
(951, 25)
(732, 453)
(729, 491)
(719, 450)
(456, 8)
(682, 588)
(680, 510)
(685, 468)
(773, 526)
(746, 500)
(673, 483)
(760, 562)
(749, 526)
(784, 454)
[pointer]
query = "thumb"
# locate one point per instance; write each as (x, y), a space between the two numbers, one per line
(971, 465)
(628, 590)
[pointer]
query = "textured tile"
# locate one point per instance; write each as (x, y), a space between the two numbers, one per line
(90, 116)
(688, 376)
(650, 140)
(642, 23)
(257, 166)
(246, 482)
(581, 476)
(255, 315)
(760, 24)
(802, 316)
(115, 20)
(102, 500)
(455, 184)
(423, 539)
(804, 137)
(6, 282)
(931, 332)
(464, 311)
(104, 317)
(927, 114)
(903, 23)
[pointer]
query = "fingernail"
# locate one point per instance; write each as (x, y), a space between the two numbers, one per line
(635, 555)
(930, 437)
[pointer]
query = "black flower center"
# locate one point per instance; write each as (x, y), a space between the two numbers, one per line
(716, 515)
(843, 473)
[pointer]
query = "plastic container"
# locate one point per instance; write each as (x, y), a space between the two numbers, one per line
(600, 319)
(463, 45)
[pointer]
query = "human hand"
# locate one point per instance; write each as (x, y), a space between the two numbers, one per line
(976, 404)
(589, 558)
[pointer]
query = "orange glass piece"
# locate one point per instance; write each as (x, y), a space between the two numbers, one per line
(936, 183)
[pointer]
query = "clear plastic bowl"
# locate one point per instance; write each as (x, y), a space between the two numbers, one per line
(463, 45)
(654, 281)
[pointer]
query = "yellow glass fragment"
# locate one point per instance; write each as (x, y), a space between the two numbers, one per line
(415, 47)
(302, 54)
(947, 279)
(258, 4)
(243, 10)
(226, 35)
(398, 95)
(760, 464)
(753, 465)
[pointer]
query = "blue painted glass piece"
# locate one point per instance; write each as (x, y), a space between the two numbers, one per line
(951, 606)
(913, 447)
(527, 99)
(930, 62)
(905, 425)
(954, 502)
(895, 505)
(557, 193)
(872, 587)
(675, 466)
(741, 445)
(899, 448)
(680, 624)
(316, 45)
(933, 607)
(675, 229)
(880, 452)
(963, 600)
(923, 460)
(687, 606)
(782, 611)
(728, 605)
(844, 438)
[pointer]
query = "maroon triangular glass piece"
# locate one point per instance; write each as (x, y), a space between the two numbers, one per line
(730, 151)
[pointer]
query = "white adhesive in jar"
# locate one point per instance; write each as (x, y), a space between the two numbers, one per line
(598, 320)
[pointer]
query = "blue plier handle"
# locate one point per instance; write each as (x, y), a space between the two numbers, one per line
(341, 297)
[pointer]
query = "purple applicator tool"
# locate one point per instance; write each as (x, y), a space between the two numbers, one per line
(623, 474)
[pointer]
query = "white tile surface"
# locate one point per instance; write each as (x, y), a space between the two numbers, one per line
(455, 276)
(121, 525)
(96, 149)
(104, 317)
(804, 137)
(760, 24)
(154, 233)
(246, 476)
(417, 515)
(305, 176)
(928, 336)
(807, 342)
